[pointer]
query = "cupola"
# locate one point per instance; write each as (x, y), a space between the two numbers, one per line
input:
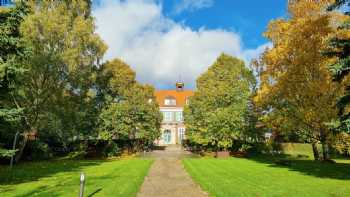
(180, 86)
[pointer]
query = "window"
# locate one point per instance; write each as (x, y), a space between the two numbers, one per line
(167, 116)
(178, 116)
(170, 101)
(181, 134)
(167, 136)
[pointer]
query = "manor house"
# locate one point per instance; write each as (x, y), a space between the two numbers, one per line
(171, 104)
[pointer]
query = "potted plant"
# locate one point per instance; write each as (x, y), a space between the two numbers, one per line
(223, 148)
(222, 154)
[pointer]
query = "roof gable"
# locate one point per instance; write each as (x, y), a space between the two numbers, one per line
(180, 97)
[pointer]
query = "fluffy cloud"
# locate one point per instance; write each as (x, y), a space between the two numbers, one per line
(159, 49)
(192, 5)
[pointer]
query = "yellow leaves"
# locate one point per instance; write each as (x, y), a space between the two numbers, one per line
(3, 9)
(275, 29)
(295, 73)
(262, 95)
(307, 8)
(121, 76)
(342, 33)
(65, 31)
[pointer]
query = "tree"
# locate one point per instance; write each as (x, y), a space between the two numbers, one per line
(114, 78)
(339, 3)
(131, 113)
(339, 47)
(11, 52)
(217, 112)
(296, 88)
(64, 53)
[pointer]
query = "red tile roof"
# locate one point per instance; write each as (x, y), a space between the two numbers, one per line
(180, 97)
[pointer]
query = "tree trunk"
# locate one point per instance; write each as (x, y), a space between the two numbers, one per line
(22, 145)
(325, 152)
(315, 151)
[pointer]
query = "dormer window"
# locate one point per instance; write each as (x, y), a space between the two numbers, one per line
(170, 101)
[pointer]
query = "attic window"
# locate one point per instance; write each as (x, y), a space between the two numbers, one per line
(170, 101)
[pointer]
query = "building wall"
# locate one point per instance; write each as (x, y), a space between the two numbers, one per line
(171, 102)
(173, 126)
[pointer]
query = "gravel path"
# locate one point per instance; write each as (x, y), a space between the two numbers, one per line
(167, 177)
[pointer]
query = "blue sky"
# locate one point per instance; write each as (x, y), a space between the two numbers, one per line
(165, 39)
(248, 18)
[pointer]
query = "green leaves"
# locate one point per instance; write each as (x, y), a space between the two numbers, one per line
(217, 111)
(130, 111)
(339, 48)
(7, 153)
(10, 115)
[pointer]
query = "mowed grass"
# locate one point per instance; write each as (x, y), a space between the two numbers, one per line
(61, 178)
(262, 177)
(299, 149)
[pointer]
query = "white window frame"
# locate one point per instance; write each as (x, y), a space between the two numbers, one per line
(179, 116)
(181, 133)
(170, 101)
(167, 116)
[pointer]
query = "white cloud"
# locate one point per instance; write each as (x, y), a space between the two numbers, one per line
(250, 54)
(159, 49)
(192, 5)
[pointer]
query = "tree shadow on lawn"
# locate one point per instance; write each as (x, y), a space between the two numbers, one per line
(307, 166)
(33, 171)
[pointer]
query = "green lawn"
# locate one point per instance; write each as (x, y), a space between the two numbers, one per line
(299, 149)
(61, 178)
(262, 177)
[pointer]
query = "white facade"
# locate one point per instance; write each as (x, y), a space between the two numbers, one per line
(173, 128)
(171, 104)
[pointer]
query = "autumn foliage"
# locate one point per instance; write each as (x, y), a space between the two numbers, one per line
(296, 86)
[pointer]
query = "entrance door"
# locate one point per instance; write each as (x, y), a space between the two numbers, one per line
(167, 136)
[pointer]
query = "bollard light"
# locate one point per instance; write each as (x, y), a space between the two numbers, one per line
(82, 183)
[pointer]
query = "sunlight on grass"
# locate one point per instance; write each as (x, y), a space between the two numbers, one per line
(249, 177)
(61, 178)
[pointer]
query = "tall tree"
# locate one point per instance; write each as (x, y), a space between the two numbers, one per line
(64, 52)
(296, 89)
(11, 70)
(113, 79)
(339, 47)
(131, 112)
(217, 112)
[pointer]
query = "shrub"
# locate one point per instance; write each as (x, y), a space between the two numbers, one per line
(38, 150)
(342, 144)
(7, 153)
(245, 148)
(112, 149)
(78, 150)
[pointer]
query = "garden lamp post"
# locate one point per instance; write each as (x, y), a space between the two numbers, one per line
(82, 183)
